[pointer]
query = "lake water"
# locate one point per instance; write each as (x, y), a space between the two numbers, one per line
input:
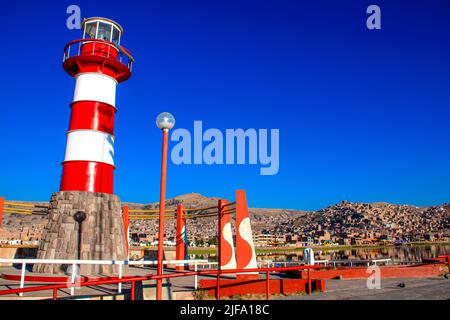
(399, 254)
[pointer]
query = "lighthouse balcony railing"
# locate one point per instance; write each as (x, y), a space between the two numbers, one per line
(113, 51)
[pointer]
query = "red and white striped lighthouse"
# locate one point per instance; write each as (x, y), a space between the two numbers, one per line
(98, 63)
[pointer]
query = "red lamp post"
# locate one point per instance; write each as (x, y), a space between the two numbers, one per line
(165, 121)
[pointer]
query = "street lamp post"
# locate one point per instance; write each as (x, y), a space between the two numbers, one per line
(165, 121)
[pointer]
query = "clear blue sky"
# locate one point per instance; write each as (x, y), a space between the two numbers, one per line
(363, 115)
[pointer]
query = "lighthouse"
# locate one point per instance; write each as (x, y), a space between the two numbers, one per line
(98, 63)
(89, 157)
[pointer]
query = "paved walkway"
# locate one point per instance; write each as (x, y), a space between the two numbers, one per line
(415, 289)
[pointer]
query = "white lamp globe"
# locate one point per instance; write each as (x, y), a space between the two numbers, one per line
(165, 121)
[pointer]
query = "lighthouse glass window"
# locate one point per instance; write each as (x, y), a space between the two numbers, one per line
(104, 31)
(116, 35)
(90, 30)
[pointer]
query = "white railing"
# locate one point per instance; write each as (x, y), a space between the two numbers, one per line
(325, 262)
(120, 263)
(385, 261)
(360, 262)
(270, 264)
(206, 265)
(120, 51)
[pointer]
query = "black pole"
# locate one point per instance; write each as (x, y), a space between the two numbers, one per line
(80, 231)
(79, 217)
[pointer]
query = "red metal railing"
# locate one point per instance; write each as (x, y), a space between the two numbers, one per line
(133, 280)
(56, 287)
(446, 258)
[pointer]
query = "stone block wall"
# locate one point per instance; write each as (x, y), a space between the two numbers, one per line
(102, 233)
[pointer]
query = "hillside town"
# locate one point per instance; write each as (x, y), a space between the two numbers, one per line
(345, 223)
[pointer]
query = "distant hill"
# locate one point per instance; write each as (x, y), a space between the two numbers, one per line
(340, 219)
(191, 200)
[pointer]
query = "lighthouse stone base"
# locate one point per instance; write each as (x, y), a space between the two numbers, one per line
(102, 233)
